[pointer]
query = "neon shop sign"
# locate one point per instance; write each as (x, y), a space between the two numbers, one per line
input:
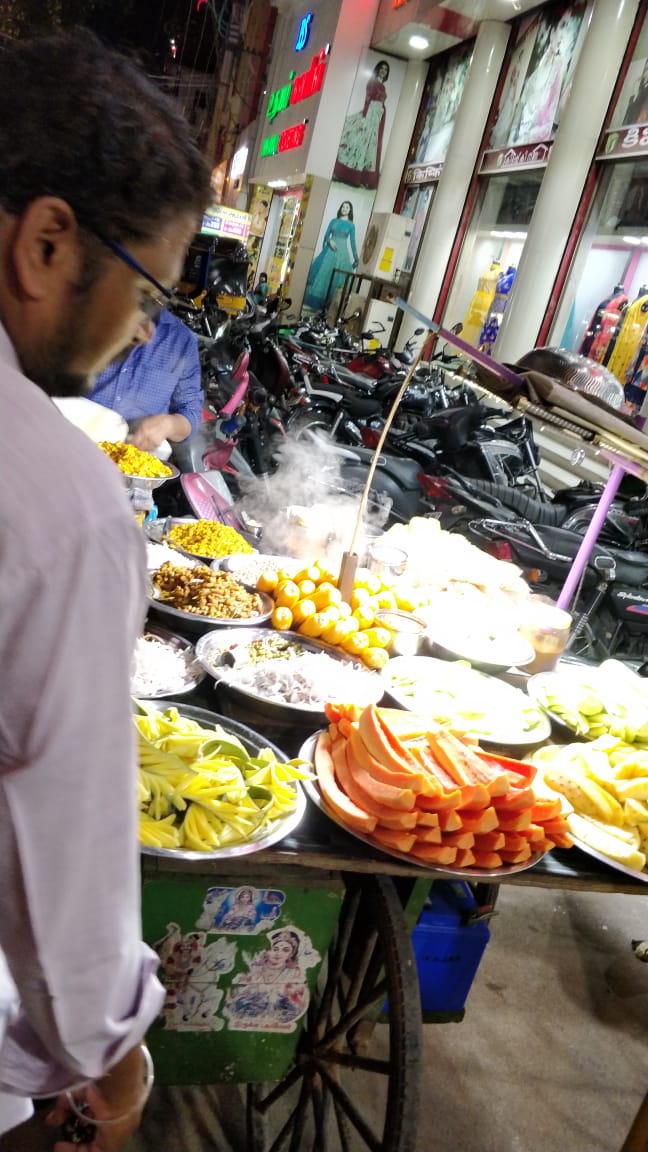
(300, 87)
(284, 141)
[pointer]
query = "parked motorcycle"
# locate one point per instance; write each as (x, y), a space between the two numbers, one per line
(611, 606)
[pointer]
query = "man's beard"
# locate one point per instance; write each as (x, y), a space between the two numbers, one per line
(48, 366)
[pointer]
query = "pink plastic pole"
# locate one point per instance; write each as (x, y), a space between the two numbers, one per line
(589, 539)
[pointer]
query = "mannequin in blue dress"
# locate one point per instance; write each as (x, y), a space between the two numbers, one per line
(338, 255)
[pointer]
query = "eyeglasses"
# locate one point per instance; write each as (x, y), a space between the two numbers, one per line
(152, 305)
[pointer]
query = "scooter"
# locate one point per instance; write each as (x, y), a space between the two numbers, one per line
(611, 607)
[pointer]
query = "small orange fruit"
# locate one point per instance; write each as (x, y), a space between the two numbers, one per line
(267, 581)
(282, 619)
(287, 594)
(302, 610)
(375, 658)
(306, 588)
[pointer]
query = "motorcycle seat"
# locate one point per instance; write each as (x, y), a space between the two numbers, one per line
(362, 407)
(404, 470)
(352, 379)
(453, 424)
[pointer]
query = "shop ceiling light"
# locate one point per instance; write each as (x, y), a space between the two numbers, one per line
(277, 184)
(418, 42)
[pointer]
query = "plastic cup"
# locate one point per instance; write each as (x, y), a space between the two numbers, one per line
(547, 629)
(386, 562)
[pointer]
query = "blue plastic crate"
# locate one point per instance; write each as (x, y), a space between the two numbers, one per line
(448, 949)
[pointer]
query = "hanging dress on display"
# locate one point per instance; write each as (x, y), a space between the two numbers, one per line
(490, 330)
(326, 271)
(480, 303)
(359, 154)
(597, 341)
(628, 336)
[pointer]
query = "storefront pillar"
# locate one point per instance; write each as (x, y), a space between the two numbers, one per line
(447, 206)
(562, 185)
(401, 134)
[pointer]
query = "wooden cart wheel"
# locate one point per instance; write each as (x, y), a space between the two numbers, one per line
(355, 1081)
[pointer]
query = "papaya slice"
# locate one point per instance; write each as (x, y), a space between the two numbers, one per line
(516, 768)
(385, 781)
(335, 711)
(427, 819)
(388, 838)
(546, 810)
(348, 783)
(359, 767)
(346, 811)
(466, 766)
(380, 742)
(514, 821)
(450, 820)
(487, 859)
(458, 839)
(405, 725)
(556, 840)
(485, 820)
(489, 841)
(514, 800)
(515, 841)
(470, 795)
(553, 828)
(465, 858)
(435, 853)
(443, 802)
(428, 835)
(401, 821)
(519, 857)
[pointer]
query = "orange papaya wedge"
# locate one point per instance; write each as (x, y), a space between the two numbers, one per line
(385, 794)
(380, 742)
(348, 783)
(542, 810)
(450, 820)
(483, 820)
(465, 858)
(514, 821)
(428, 835)
(556, 840)
(519, 857)
(387, 838)
(516, 768)
(346, 811)
(427, 819)
(461, 839)
(441, 854)
(488, 860)
(514, 841)
(489, 841)
(534, 833)
(465, 765)
(409, 778)
(514, 800)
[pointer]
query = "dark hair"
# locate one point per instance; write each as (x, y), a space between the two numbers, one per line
(381, 64)
(83, 123)
(339, 211)
(263, 277)
(290, 937)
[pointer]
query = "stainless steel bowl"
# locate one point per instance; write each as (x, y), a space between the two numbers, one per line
(149, 483)
(197, 625)
(211, 647)
(180, 644)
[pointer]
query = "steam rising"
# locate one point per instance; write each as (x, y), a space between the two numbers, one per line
(306, 507)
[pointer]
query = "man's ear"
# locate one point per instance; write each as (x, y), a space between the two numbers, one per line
(45, 247)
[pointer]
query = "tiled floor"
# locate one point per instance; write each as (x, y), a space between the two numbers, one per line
(551, 1057)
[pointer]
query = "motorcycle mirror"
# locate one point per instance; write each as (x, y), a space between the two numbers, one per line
(419, 331)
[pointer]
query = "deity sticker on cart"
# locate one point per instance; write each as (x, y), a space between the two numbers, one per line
(273, 994)
(242, 911)
(191, 969)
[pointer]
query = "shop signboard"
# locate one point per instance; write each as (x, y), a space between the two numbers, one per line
(226, 222)
(423, 173)
(618, 142)
(521, 157)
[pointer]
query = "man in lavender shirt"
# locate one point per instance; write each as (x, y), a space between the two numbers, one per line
(100, 193)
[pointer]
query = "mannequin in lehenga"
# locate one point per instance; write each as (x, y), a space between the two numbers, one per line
(358, 158)
(326, 271)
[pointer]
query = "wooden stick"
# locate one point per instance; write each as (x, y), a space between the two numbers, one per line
(350, 558)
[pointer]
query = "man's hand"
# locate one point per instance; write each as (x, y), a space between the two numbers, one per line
(149, 433)
(121, 1093)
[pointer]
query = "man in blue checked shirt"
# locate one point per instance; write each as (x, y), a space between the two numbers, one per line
(155, 386)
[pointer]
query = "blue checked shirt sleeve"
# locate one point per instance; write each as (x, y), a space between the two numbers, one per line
(187, 398)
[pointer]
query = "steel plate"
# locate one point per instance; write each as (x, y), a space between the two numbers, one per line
(203, 623)
(312, 789)
(616, 864)
(437, 674)
(151, 482)
(180, 643)
(158, 532)
(254, 743)
(223, 641)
